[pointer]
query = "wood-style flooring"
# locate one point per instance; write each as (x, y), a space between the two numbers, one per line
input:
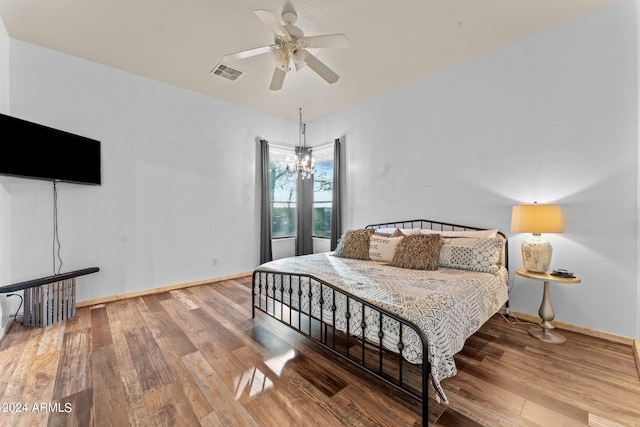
(196, 357)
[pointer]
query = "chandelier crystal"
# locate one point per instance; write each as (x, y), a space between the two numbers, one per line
(302, 164)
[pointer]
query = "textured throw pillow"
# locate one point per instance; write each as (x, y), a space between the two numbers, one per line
(354, 244)
(382, 248)
(418, 252)
(474, 254)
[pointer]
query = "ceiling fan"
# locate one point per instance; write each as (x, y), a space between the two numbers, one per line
(289, 49)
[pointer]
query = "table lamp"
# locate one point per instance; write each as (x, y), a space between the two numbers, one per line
(537, 219)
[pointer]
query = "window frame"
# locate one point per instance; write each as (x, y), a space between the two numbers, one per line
(279, 156)
(321, 155)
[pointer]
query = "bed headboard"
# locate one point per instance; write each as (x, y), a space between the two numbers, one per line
(443, 226)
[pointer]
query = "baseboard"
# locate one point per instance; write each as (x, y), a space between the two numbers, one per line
(579, 329)
(153, 291)
(636, 353)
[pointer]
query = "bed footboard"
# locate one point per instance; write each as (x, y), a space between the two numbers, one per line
(367, 336)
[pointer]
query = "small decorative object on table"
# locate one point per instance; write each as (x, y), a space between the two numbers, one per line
(562, 273)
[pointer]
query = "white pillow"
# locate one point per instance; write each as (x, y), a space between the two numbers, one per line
(389, 232)
(382, 248)
(409, 231)
(479, 234)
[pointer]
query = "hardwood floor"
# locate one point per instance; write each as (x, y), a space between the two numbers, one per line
(195, 357)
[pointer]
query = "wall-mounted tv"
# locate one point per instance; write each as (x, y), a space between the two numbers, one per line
(31, 150)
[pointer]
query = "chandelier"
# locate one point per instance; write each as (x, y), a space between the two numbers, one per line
(302, 163)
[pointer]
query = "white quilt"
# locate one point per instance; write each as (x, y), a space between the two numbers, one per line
(447, 305)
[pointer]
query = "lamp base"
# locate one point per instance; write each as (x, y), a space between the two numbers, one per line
(547, 335)
(536, 254)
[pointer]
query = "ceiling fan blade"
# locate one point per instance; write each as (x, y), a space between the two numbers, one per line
(329, 40)
(272, 22)
(247, 53)
(278, 79)
(323, 71)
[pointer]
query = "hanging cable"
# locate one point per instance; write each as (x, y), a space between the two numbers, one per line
(56, 236)
(15, 316)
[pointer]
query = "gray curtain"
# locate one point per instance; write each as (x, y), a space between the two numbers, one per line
(266, 252)
(304, 235)
(336, 200)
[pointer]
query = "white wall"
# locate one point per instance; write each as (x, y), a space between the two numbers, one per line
(4, 69)
(552, 118)
(8, 305)
(638, 171)
(178, 178)
(5, 249)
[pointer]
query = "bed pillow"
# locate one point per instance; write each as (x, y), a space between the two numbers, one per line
(396, 231)
(388, 232)
(463, 233)
(382, 248)
(354, 244)
(473, 254)
(409, 231)
(418, 252)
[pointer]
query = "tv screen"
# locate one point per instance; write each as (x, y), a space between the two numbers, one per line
(31, 150)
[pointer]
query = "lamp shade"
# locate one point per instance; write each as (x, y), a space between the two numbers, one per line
(537, 219)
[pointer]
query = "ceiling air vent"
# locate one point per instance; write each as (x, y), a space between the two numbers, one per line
(227, 72)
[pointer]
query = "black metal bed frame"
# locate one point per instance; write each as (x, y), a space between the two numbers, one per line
(276, 297)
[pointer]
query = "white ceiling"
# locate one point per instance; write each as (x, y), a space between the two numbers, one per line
(180, 42)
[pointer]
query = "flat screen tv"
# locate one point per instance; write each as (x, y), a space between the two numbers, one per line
(31, 150)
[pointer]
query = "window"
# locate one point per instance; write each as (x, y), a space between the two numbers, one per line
(283, 194)
(322, 191)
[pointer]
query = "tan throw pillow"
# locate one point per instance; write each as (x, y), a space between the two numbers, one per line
(418, 252)
(354, 244)
(382, 248)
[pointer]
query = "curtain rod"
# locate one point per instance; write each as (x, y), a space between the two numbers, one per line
(292, 147)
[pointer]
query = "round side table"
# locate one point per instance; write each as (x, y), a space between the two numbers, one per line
(546, 333)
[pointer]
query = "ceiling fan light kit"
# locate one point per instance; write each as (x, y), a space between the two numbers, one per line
(289, 50)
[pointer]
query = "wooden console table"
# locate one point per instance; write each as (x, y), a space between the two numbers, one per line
(50, 299)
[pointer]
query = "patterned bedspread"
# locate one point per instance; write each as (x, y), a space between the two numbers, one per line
(448, 305)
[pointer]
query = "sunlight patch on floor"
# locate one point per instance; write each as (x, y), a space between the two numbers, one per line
(253, 381)
(276, 364)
